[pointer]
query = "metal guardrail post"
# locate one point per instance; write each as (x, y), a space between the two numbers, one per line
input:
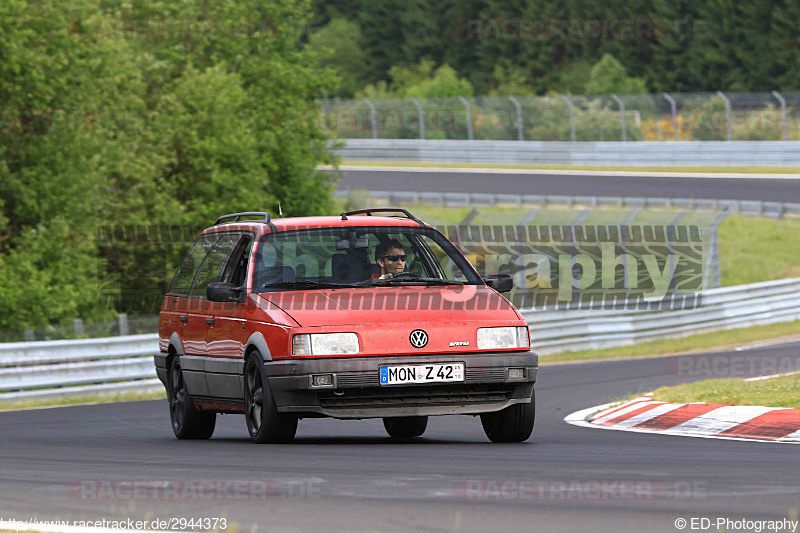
(621, 105)
(420, 117)
(674, 109)
(571, 117)
(782, 101)
(712, 258)
(372, 120)
(468, 116)
(520, 134)
(728, 114)
(78, 324)
(123, 324)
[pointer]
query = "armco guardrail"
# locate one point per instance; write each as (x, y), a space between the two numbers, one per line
(465, 199)
(48, 369)
(83, 367)
(724, 308)
(612, 153)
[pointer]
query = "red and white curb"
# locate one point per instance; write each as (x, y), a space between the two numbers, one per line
(706, 420)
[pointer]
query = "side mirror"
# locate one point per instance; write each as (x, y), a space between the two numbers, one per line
(500, 282)
(222, 292)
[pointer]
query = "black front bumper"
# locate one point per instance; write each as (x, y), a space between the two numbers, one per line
(357, 393)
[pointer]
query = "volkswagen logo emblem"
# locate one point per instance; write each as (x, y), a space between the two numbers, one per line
(418, 338)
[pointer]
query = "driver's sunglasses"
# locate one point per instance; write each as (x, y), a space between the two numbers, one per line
(394, 258)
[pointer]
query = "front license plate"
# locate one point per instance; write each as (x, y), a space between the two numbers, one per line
(434, 373)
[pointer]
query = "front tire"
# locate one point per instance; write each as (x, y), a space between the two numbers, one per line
(512, 424)
(187, 421)
(264, 423)
(405, 427)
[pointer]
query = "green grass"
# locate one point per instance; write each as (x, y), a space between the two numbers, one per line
(723, 170)
(717, 340)
(110, 398)
(775, 392)
(758, 249)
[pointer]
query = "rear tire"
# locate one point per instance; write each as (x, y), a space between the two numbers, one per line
(512, 424)
(187, 421)
(405, 427)
(264, 423)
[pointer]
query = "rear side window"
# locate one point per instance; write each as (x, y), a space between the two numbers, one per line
(212, 266)
(182, 281)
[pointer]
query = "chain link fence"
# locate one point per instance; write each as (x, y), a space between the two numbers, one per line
(709, 116)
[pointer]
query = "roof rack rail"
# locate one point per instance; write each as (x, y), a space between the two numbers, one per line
(370, 211)
(238, 217)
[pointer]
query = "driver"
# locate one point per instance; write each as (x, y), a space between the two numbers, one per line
(391, 257)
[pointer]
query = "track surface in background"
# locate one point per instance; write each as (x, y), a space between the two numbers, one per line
(773, 190)
(361, 480)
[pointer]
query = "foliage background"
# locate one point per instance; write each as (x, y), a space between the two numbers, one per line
(153, 114)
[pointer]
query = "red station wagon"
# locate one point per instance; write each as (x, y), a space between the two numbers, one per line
(352, 316)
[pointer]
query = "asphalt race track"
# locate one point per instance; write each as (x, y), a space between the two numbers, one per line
(348, 476)
(773, 190)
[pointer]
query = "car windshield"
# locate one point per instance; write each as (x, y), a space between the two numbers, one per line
(366, 256)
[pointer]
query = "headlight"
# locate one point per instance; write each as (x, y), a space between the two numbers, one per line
(498, 338)
(324, 344)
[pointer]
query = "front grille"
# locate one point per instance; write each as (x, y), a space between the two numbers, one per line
(421, 395)
(485, 375)
(358, 379)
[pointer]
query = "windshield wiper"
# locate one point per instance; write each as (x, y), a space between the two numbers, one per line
(308, 284)
(411, 279)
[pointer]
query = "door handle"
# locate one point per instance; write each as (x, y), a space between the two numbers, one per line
(210, 321)
(183, 318)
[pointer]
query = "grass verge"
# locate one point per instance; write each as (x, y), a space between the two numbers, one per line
(703, 170)
(717, 341)
(79, 400)
(758, 249)
(782, 391)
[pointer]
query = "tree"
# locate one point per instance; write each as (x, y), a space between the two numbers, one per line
(340, 45)
(608, 76)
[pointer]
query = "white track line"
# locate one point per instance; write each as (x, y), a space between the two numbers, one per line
(766, 345)
(759, 378)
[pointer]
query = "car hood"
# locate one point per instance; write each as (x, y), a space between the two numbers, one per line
(392, 305)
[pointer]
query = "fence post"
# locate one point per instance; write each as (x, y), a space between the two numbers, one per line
(674, 108)
(123, 323)
(520, 134)
(420, 117)
(78, 323)
(727, 113)
(468, 116)
(372, 121)
(29, 337)
(571, 117)
(780, 99)
(322, 120)
(621, 105)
